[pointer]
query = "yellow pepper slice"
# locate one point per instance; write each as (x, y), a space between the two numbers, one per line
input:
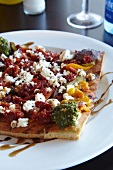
(83, 85)
(77, 66)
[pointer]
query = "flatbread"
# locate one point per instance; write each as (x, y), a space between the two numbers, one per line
(50, 130)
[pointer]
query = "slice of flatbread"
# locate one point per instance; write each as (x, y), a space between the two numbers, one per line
(34, 129)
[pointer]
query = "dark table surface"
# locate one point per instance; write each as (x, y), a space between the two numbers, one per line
(12, 18)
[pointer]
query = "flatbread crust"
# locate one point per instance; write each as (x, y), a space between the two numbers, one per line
(48, 131)
(51, 130)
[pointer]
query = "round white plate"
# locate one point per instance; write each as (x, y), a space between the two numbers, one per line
(97, 136)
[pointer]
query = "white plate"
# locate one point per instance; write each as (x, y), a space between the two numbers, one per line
(98, 133)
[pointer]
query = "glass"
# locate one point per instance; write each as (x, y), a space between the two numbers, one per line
(85, 19)
(10, 2)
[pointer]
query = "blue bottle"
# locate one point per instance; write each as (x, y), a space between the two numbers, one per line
(108, 22)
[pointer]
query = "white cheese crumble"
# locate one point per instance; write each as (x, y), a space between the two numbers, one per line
(4, 91)
(81, 72)
(49, 89)
(61, 89)
(66, 96)
(3, 57)
(62, 65)
(17, 54)
(13, 123)
(2, 109)
(62, 80)
(65, 73)
(1, 64)
(9, 78)
(70, 86)
(44, 63)
(1, 88)
(0, 74)
(91, 76)
(66, 55)
(36, 66)
(41, 47)
(12, 107)
(30, 51)
(7, 90)
(29, 105)
(40, 97)
(23, 76)
(47, 72)
(22, 122)
(53, 102)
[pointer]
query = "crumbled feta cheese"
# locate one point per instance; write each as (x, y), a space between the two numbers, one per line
(36, 66)
(1, 88)
(42, 48)
(41, 56)
(36, 90)
(61, 89)
(7, 90)
(40, 97)
(3, 57)
(69, 86)
(30, 51)
(12, 107)
(23, 76)
(1, 64)
(66, 96)
(17, 54)
(0, 74)
(47, 72)
(4, 91)
(62, 80)
(32, 83)
(45, 64)
(56, 67)
(7, 111)
(62, 65)
(22, 122)
(9, 78)
(13, 123)
(2, 109)
(65, 73)
(28, 77)
(2, 94)
(29, 105)
(66, 55)
(49, 89)
(11, 66)
(91, 76)
(81, 72)
(18, 82)
(53, 102)
(11, 57)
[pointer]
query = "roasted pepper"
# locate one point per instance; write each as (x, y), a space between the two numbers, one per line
(77, 66)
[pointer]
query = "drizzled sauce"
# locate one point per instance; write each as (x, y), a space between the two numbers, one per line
(109, 102)
(7, 146)
(106, 74)
(23, 143)
(100, 100)
(15, 152)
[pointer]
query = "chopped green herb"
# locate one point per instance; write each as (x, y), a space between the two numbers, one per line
(4, 47)
(66, 114)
